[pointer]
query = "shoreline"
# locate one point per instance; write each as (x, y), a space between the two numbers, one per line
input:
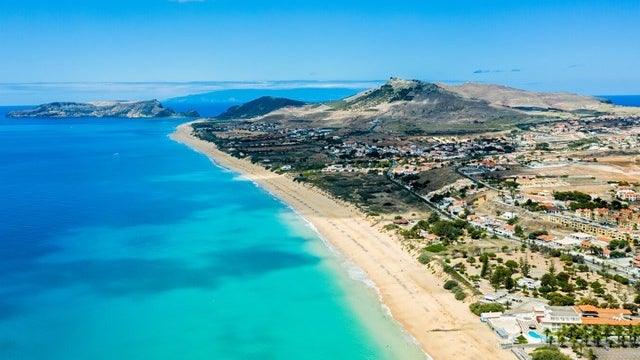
(443, 327)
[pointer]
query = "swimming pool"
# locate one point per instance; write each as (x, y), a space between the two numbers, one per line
(535, 335)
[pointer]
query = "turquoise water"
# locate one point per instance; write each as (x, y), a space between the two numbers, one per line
(535, 335)
(118, 243)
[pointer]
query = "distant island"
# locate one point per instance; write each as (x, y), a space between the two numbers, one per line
(111, 109)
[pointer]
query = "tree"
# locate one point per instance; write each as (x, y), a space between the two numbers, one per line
(562, 335)
(582, 283)
(607, 330)
(499, 276)
(485, 266)
(542, 146)
(509, 283)
(549, 280)
(588, 301)
(596, 334)
(513, 220)
(433, 217)
(525, 267)
(620, 335)
(512, 265)
(548, 353)
(591, 355)
(518, 231)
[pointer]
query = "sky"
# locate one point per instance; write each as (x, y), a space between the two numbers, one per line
(588, 47)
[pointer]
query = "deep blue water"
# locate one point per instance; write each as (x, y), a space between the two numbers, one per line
(624, 100)
(118, 243)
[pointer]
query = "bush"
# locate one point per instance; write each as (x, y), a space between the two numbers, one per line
(479, 308)
(450, 284)
(424, 258)
(435, 248)
(621, 279)
(459, 294)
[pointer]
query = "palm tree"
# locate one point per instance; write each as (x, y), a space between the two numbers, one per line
(596, 334)
(580, 333)
(591, 355)
(580, 348)
(634, 334)
(609, 342)
(607, 330)
(620, 335)
(547, 333)
(562, 335)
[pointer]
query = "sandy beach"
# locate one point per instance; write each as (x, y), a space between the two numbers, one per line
(444, 327)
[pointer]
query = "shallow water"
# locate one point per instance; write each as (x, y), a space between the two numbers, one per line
(116, 242)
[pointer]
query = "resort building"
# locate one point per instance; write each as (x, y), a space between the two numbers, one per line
(553, 317)
(591, 315)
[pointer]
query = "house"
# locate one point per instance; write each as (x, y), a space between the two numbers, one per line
(429, 237)
(489, 315)
(567, 242)
(601, 241)
(508, 215)
(580, 237)
(494, 297)
(528, 283)
(506, 230)
(546, 238)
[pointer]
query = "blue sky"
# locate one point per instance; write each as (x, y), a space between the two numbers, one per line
(590, 47)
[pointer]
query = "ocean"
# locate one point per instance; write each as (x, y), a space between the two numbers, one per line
(119, 243)
(624, 100)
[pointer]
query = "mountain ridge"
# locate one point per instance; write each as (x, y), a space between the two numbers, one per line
(414, 106)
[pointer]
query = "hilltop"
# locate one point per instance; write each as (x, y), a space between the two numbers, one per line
(115, 109)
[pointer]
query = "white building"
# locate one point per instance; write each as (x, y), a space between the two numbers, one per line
(553, 317)
(528, 283)
(572, 240)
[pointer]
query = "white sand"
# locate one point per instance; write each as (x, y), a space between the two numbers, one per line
(444, 327)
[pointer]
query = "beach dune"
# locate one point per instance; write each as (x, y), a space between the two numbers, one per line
(444, 327)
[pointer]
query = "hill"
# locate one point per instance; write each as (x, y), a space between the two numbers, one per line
(258, 107)
(521, 99)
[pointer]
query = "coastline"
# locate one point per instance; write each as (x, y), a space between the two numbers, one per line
(442, 326)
